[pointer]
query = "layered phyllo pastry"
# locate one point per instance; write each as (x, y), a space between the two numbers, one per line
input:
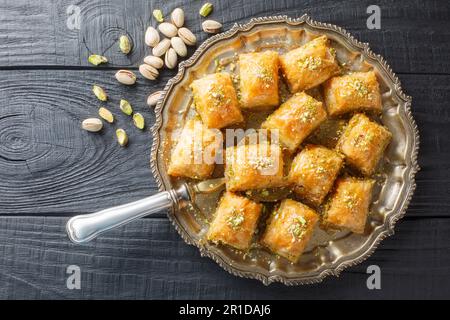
(216, 101)
(363, 143)
(352, 92)
(258, 73)
(295, 151)
(194, 154)
(289, 229)
(313, 172)
(310, 65)
(349, 205)
(295, 119)
(235, 221)
(254, 166)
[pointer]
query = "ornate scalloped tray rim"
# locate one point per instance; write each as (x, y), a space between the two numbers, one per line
(389, 224)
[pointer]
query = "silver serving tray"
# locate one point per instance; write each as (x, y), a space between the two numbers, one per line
(328, 253)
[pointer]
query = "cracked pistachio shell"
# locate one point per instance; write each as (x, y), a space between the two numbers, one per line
(151, 37)
(153, 98)
(161, 48)
(171, 58)
(155, 62)
(148, 71)
(92, 124)
(179, 46)
(168, 29)
(187, 36)
(126, 77)
(211, 26)
(177, 17)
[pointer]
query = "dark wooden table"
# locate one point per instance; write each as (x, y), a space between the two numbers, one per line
(51, 170)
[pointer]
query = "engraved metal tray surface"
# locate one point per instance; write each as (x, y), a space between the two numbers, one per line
(328, 253)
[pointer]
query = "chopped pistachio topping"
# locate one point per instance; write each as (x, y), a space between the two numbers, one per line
(260, 163)
(309, 111)
(298, 228)
(320, 169)
(266, 76)
(349, 200)
(359, 87)
(218, 96)
(364, 140)
(236, 218)
(310, 63)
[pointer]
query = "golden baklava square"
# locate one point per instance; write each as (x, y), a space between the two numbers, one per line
(295, 119)
(289, 229)
(254, 166)
(353, 92)
(216, 101)
(309, 65)
(195, 152)
(235, 221)
(313, 172)
(349, 205)
(363, 143)
(258, 73)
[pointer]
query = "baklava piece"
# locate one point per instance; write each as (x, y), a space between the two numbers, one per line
(235, 221)
(254, 166)
(313, 172)
(295, 119)
(363, 143)
(194, 154)
(356, 91)
(258, 74)
(216, 101)
(349, 205)
(289, 229)
(310, 65)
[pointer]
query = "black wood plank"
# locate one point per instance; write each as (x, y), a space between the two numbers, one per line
(414, 35)
(49, 166)
(147, 259)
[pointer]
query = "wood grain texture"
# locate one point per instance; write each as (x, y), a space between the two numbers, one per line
(147, 260)
(50, 169)
(48, 164)
(414, 37)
